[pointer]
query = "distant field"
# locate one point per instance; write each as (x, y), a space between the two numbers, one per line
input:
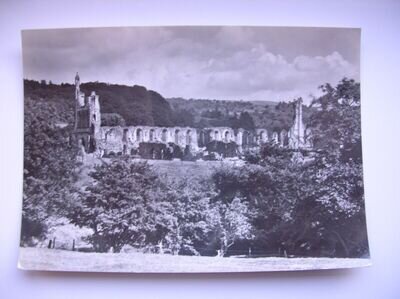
(185, 168)
(169, 168)
(59, 260)
(173, 167)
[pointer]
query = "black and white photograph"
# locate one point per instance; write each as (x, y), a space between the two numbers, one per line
(192, 149)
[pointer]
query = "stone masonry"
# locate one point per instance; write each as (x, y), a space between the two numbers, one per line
(93, 138)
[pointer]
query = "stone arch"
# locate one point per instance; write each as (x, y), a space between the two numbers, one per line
(252, 138)
(263, 136)
(176, 136)
(164, 135)
(151, 135)
(139, 135)
(217, 135)
(239, 137)
(202, 138)
(283, 138)
(188, 137)
(125, 135)
(275, 137)
(109, 134)
(227, 136)
(245, 138)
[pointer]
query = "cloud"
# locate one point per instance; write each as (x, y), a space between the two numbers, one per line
(260, 75)
(250, 63)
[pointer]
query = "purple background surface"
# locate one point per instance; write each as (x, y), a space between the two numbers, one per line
(380, 57)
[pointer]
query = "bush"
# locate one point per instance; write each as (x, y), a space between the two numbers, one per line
(112, 119)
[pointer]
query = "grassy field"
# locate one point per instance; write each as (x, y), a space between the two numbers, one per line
(176, 168)
(171, 169)
(60, 260)
(185, 168)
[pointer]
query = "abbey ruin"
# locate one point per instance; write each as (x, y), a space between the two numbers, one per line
(151, 142)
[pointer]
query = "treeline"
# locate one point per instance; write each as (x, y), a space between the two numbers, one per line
(273, 116)
(135, 105)
(281, 202)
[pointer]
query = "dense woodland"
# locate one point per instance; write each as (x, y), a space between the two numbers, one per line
(281, 202)
(135, 105)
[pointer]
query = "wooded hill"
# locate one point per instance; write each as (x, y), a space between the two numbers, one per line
(135, 105)
(273, 116)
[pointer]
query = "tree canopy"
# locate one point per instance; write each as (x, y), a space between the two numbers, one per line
(49, 168)
(280, 202)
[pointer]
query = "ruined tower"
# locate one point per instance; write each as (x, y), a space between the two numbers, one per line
(87, 118)
(296, 133)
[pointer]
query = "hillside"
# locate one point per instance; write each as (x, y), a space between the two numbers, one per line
(135, 105)
(274, 116)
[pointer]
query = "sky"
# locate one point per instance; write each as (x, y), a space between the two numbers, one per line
(223, 63)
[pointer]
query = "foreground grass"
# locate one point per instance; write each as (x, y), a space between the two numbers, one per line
(60, 260)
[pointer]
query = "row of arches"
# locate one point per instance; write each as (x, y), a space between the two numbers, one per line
(179, 136)
(240, 137)
(185, 136)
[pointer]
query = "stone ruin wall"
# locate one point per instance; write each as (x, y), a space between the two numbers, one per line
(126, 140)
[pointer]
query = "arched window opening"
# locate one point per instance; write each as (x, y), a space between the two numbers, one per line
(188, 137)
(125, 135)
(202, 138)
(227, 136)
(275, 137)
(139, 135)
(283, 138)
(151, 136)
(216, 135)
(177, 136)
(164, 135)
(262, 136)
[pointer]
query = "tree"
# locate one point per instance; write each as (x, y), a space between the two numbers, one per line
(49, 169)
(190, 198)
(245, 121)
(314, 208)
(112, 119)
(336, 121)
(231, 223)
(272, 193)
(329, 216)
(124, 205)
